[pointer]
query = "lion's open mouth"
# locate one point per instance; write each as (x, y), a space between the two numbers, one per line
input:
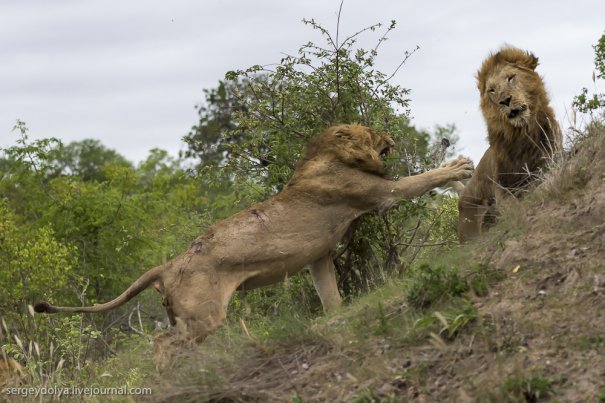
(515, 112)
(385, 151)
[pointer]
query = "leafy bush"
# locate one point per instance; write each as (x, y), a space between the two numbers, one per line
(32, 262)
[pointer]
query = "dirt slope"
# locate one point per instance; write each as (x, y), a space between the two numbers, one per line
(537, 332)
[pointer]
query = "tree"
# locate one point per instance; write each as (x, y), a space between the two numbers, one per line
(85, 159)
(210, 139)
(260, 118)
(584, 102)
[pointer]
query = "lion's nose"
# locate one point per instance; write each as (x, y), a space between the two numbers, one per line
(506, 102)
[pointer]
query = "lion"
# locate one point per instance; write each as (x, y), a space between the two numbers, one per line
(11, 372)
(340, 177)
(523, 136)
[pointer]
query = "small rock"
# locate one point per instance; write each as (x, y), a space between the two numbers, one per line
(599, 284)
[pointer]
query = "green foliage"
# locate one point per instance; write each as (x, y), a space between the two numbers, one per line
(98, 207)
(382, 327)
(85, 159)
(77, 227)
(452, 321)
(284, 105)
(47, 345)
(525, 388)
(596, 102)
(210, 140)
(32, 262)
(447, 322)
(429, 284)
(277, 309)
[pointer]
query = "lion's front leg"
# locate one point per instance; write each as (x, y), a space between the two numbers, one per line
(324, 280)
(413, 186)
(472, 213)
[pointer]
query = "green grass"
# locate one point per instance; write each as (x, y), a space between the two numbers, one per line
(521, 388)
(428, 284)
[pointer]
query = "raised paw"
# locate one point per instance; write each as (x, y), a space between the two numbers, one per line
(460, 168)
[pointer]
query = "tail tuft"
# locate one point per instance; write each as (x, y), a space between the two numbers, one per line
(42, 307)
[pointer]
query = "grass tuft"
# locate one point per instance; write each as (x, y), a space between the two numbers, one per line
(429, 284)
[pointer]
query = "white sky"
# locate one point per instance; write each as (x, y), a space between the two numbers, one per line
(129, 72)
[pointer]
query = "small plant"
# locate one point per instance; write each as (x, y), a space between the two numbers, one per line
(297, 399)
(447, 323)
(382, 327)
(372, 396)
(453, 321)
(519, 388)
(429, 284)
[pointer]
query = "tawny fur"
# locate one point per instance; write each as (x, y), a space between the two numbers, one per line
(340, 177)
(11, 372)
(523, 136)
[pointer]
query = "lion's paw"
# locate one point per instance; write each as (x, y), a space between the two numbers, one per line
(461, 168)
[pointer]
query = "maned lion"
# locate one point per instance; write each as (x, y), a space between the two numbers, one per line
(522, 133)
(340, 177)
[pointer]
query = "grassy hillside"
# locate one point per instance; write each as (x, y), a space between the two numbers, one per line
(519, 316)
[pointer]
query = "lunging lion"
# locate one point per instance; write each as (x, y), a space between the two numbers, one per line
(522, 133)
(340, 177)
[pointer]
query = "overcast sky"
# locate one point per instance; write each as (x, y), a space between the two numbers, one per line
(130, 72)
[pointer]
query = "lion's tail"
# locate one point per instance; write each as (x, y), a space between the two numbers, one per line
(138, 286)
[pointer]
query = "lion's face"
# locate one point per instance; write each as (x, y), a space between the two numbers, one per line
(506, 91)
(353, 145)
(361, 147)
(365, 138)
(508, 85)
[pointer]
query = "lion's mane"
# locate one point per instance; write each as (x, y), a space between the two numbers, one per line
(523, 134)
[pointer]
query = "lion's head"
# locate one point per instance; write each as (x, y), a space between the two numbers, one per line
(511, 91)
(353, 145)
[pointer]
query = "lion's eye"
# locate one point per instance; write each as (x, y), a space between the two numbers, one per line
(511, 77)
(491, 90)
